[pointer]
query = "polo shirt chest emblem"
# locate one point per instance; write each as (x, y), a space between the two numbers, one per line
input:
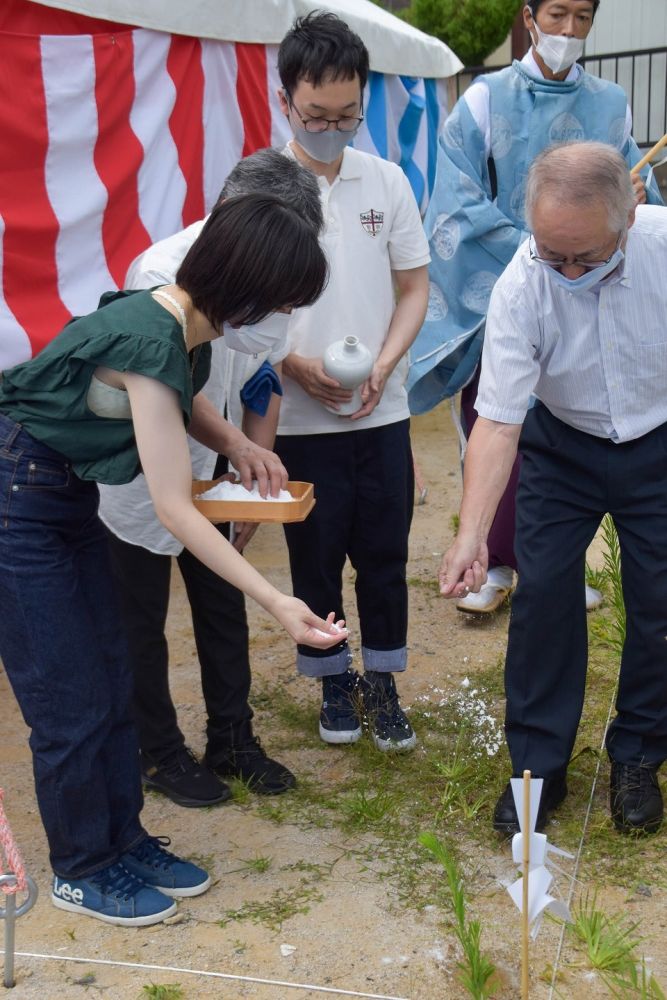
(372, 221)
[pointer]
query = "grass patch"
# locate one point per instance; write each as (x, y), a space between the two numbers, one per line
(280, 906)
(162, 991)
(611, 946)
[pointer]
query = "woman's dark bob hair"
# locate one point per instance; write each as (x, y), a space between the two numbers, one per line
(254, 255)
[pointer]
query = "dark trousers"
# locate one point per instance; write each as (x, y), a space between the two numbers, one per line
(569, 480)
(501, 536)
(62, 645)
(364, 489)
(221, 636)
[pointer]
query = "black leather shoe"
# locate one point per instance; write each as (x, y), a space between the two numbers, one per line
(249, 762)
(183, 779)
(505, 819)
(635, 798)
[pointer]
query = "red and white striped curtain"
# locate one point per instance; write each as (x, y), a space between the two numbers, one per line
(112, 138)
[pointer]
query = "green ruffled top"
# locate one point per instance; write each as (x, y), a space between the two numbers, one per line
(129, 331)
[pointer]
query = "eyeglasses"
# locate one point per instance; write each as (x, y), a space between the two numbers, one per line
(322, 124)
(589, 265)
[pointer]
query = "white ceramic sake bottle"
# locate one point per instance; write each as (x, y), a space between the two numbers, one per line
(350, 362)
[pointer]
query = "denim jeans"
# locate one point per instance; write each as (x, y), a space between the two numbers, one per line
(62, 646)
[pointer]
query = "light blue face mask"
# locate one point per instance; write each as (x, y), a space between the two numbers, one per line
(589, 279)
(325, 147)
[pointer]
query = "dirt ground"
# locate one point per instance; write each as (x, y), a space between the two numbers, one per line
(358, 939)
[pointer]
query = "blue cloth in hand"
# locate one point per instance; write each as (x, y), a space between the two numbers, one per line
(257, 391)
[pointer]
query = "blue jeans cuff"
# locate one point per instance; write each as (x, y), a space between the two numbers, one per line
(324, 666)
(386, 661)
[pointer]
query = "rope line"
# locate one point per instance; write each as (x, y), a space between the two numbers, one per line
(209, 975)
(10, 858)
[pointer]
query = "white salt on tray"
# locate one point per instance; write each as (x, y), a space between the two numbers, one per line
(236, 491)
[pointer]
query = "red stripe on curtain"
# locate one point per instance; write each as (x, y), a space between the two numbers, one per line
(252, 95)
(118, 153)
(186, 120)
(30, 277)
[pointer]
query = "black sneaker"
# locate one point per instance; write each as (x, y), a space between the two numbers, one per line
(635, 797)
(505, 819)
(389, 725)
(341, 702)
(182, 778)
(249, 762)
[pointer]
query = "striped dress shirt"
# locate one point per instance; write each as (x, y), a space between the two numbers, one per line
(596, 359)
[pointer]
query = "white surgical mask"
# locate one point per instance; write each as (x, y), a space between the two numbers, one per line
(258, 338)
(589, 279)
(557, 51)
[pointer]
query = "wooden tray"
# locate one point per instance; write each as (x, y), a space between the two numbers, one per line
(220, 511)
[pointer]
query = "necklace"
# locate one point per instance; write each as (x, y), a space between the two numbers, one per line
(194, 354)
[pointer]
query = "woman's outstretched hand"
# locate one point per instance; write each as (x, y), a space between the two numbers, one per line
(307, 628)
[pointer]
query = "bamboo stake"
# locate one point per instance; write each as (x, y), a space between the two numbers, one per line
(525, 927)
(649, 156)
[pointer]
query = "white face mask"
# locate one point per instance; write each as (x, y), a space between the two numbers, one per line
(589, 279)
(257, 338)
(557, 51)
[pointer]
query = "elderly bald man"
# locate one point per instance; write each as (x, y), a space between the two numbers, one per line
(577, 320)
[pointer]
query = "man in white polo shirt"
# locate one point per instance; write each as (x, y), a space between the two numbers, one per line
(577, 319)
(361, 464)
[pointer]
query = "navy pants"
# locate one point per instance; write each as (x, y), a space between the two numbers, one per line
(221, 634)
(568, 481)
(364, 490)
(62, 645)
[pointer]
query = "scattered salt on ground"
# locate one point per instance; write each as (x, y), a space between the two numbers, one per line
(236, 491)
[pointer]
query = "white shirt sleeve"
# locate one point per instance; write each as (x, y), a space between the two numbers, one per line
(510, 368)
(477, 99)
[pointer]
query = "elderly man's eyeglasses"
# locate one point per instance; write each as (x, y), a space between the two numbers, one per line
(322, 124)
(590, 265)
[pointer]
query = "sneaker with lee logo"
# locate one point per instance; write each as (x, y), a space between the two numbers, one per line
(113, 895)
(160, 869)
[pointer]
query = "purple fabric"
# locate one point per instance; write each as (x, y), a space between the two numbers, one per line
(501, 536)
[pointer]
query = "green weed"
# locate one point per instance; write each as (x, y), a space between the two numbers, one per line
(366, 808)
(475, 971)
(257, 864)
(281, 905)
(163, 991)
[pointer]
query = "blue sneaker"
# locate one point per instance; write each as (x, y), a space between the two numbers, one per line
(156, 867)
(112, 895)
(339, 715)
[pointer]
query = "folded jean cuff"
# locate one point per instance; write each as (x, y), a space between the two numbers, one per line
(385, 660)
(324, 666)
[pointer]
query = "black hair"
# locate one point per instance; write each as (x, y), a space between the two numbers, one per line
(321, 47)
(254, 255)
(536, 4)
